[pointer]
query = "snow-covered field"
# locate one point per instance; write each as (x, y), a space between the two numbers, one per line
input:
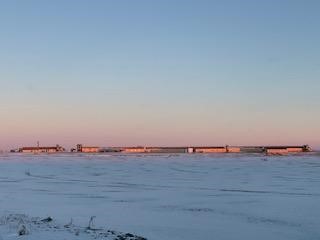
(160, 197)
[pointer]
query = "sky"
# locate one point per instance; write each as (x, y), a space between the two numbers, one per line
(168, 73)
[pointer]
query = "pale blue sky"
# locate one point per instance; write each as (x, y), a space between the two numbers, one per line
(159, 72)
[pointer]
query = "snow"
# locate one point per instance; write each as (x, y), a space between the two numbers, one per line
(218, 196)
(20, 225)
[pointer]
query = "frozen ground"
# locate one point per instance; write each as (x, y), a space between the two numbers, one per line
(162, 197)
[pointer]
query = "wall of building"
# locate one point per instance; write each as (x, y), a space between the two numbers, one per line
(210, 150)
(234, 149)
(28, 151)
(48, 150)
(295, 149)
(89, 149)
(281, 151)
(190, 150)
(134, 150)
(167, 150)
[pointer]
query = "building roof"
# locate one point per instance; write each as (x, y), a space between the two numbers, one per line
(210, 147)
(282, 147)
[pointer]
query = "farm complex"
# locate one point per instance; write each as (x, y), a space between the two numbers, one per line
(270, 150)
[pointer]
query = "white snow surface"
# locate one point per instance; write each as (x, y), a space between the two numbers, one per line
(162, 197)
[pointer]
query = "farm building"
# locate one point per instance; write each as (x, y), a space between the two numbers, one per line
(55, 149)
(286, 149)
(86, 149)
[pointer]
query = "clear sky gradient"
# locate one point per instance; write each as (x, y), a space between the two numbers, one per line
(163, 72)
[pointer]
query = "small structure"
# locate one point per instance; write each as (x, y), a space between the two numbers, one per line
(86, 149)
(39, 149)
(190, 150)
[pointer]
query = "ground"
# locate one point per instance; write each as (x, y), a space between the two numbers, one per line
(160, 197)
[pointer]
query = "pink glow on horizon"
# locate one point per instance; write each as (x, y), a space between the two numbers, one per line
(155, 127)
(145, 138)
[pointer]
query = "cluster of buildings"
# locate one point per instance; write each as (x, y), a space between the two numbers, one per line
(272, 150)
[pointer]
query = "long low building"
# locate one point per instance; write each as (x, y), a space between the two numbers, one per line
(281, 150)
(54, 149)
